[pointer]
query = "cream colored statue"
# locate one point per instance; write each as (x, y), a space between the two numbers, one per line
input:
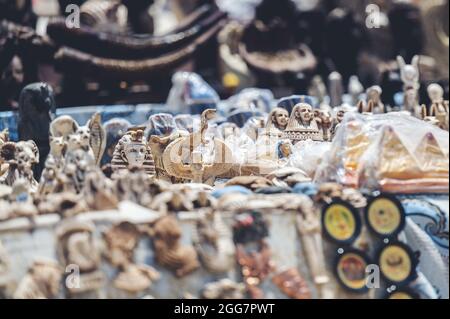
(41, 282)
(132, 152)
(309, 227)
(302, 125)
(374, 94)
(277, 122)
(439, 107)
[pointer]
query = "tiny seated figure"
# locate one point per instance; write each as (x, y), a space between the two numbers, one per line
(133, 152)
(374, 94)
(302, 125)
(439, 107)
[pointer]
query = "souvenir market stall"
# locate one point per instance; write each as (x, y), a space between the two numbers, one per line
(224, 150)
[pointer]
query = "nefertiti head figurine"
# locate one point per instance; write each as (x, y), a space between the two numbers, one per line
(278, 119)
(133, 152)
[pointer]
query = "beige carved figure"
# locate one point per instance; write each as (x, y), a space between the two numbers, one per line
(374, 94)
(198, 157)
(214, 244)
(309, 227)
(97, 138)
(42, 281)
(302, 124)
(132, 151)
(121, 241)
(325, 123)
(63, 126)
(169, 251)
(411, 102)
(76, 246)
(22, 157)
(409, 73)
(98, 192)
(135, 278)
(277, 121)
(439, 107)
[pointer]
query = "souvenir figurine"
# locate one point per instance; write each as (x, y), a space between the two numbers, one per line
(98, 192)
(135, 278)
(325, 124)
(277, 122)
(97, 137)
(410, 76)
(224, 289)
(439, 107)
(355, 88)
(63, 126)
(115, 129)
(169, 251)
(292, 284)
(23, 156)
(309, 227)
(132, 151)
(41, 282)
(411, 102)
(336, 89)
(36, 110)
(76, 246)
(214, 244)
(302, 125)
(374, 94)
(171, 202)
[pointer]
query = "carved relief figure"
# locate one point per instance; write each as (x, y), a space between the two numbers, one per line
(277, 121)
(41, 282)
(169, 251)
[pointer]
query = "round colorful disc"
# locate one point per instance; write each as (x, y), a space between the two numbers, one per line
(341, 222)
(351, 272)
(385, 216)
(397, 263)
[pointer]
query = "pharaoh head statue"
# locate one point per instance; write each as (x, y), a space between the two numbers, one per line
(302, 114)
(278, 118)
(132, 151)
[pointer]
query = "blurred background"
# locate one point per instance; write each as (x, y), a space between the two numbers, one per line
(126, 51)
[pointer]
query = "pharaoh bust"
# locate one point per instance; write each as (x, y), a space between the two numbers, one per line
(302, 125)
(277, 121)
(133, 152)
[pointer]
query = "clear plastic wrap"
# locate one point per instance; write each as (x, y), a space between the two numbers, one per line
(392, 152)
(190, 94)
(161, 124)
(251, 99)
(307, 155)
(187, 122)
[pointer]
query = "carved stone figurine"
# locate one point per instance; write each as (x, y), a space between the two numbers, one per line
(302, 125)
(439, 106)
(132, 151)
(41, 282)
(374, 94)
(308, 225)
(22, 158)
(36, 110)
(169, 251)
(76, 247)
(277, 122)
(214, 244)
(410, 76)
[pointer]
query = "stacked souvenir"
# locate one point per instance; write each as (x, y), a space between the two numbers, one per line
(252, 178)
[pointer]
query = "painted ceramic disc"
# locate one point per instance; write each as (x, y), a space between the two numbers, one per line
(351, 270)
(341, 222)
(385, 216)
(403, 294)
(397, 263)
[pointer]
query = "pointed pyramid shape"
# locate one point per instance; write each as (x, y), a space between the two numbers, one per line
(431, 157)
(395, 160)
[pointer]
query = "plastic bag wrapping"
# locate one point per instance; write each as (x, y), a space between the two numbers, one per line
(161, 124)
(431, 264)
(239, 143)
(259, 100)
(190, 94)
(254, 126)
(307, 155)
(187, 122)
(115, 129)
(392, 152)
